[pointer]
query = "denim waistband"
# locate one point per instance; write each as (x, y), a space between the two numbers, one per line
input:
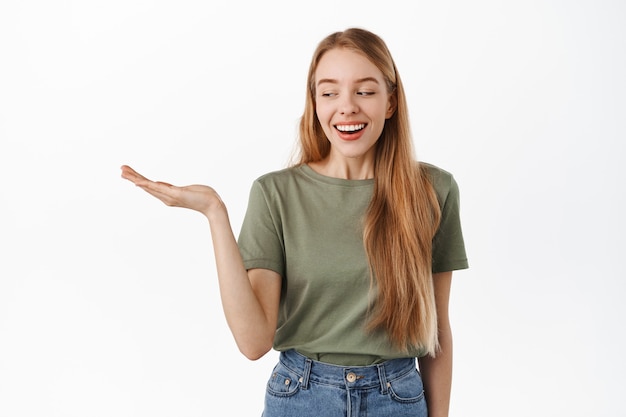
(353, 377)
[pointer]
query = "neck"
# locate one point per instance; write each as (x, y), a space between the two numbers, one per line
(360, 168)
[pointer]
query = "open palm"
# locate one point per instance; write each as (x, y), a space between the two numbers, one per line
(201, 198)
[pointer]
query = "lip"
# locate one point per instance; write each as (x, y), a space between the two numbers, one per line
(350, 137)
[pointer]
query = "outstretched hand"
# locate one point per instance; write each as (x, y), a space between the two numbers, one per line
(200, 198)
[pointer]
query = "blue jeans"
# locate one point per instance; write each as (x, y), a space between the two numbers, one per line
(306, 388)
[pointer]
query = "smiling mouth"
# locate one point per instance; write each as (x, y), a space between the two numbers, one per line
(349, 129)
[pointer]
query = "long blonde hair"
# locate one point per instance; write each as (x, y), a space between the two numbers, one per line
(403, 214)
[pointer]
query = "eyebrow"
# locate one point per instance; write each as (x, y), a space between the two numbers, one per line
(359, 81)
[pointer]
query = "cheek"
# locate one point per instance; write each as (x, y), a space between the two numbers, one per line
(322, 115)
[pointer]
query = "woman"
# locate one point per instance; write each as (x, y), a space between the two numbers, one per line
(344, 260)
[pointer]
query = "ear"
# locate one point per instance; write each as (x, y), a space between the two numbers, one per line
(392, 105)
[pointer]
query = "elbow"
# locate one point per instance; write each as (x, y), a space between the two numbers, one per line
(255, 351)
(254, 354)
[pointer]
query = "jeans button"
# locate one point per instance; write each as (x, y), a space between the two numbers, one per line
(351, 377)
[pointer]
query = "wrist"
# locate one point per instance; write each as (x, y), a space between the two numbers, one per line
(216, 212)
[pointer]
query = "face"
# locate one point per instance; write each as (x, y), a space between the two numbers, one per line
(352, 103)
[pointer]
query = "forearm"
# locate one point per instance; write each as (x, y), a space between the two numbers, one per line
(250, 325)
(437, 377)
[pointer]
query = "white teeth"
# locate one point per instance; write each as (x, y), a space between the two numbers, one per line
(350, 128)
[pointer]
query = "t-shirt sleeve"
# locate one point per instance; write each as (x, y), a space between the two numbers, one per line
(448, 244)
(260, 238)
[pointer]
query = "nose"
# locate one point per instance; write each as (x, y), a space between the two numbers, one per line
(348, 104)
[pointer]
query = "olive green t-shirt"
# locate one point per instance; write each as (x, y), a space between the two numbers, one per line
(308, 228)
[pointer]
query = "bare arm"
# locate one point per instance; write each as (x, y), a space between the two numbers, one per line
(437, 371)
(249, 298)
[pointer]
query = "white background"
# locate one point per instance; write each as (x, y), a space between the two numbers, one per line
(108, 299)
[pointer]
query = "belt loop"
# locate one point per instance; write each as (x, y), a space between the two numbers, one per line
(306, 374)
(382, 377)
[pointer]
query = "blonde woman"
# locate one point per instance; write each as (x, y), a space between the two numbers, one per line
(344, 260)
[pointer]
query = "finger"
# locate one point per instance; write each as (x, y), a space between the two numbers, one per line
(165, 198)
(127, 171)
(167, 193)
(132, 175)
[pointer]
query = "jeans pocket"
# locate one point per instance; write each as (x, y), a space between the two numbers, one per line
(408, 388)
(283, 382)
